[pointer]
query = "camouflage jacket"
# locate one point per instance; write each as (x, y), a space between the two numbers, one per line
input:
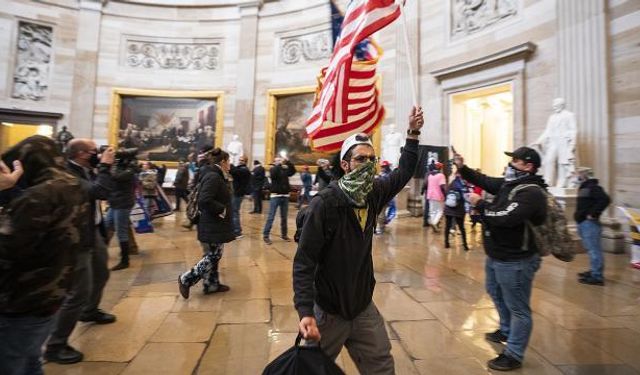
(39, 239)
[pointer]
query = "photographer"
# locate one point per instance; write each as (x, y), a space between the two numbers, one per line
(121, 201)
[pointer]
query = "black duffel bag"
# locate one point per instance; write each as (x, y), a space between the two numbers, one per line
(303, 360)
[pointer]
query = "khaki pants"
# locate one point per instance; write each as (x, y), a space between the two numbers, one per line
(365, 337)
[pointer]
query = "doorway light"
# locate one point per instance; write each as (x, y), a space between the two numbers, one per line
(45, 130)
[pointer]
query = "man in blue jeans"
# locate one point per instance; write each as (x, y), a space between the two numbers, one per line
(592, 201)
(280, 188)
(512, 255)
(241, 187)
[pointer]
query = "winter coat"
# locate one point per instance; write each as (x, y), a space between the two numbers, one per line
(149, 182)
(459, 210)
(182, 178)
(40, 231)
(504, 220)
(336, 272)
(214, 202)
(259, 178)
(592, 200)
(280, 177)
(241, 180)
(123, 195)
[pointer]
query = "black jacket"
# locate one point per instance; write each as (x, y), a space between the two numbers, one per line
(280, 177)
(182, 178)
(98, 187)
(337, 272)
(214, 202)
(592, 200)
(459, 210)
(259, 178)
(504, 220)
(123, 194)
(241, 180)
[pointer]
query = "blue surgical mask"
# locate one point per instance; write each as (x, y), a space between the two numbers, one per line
(512, 174)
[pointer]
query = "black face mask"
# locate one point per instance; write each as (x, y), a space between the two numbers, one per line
(94, 160)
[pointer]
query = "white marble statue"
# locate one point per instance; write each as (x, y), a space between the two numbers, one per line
(391, 144)
(235, 150)
(557, 145)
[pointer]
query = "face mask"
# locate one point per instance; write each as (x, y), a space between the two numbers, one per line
(358, 183)
(94, 160)
(512, 174)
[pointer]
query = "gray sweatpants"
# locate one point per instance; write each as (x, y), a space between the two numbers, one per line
(365, 337)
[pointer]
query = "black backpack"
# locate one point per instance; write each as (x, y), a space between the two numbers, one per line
(303, 360)
(330, 223)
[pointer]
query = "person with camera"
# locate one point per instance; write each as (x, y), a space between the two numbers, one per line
(91, 271)
(121, 201)
(280, 189)
(43, 211)
(512, 254)
(215, 226)
(333, 276)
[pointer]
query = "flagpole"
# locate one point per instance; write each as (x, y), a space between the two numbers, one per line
(403, 22)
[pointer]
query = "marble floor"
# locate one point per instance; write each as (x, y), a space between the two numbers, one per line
(431, 298)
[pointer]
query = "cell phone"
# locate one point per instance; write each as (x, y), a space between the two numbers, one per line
(453, 149)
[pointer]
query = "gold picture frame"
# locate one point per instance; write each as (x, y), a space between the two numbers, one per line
(213, 121)
(272, 144)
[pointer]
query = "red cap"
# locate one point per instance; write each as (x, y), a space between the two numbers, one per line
(385, 163)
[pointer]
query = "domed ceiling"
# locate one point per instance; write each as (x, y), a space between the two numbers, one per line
(195, 3)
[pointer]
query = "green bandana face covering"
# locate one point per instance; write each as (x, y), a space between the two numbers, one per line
(358, 183)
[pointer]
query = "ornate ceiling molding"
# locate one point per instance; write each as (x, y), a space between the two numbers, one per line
(307, 45)
(172, 53)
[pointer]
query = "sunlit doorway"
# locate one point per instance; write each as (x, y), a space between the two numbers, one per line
(12, 133)
(481, 126)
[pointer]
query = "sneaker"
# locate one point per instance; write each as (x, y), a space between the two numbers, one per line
(504, 362)
(220, 289)
(99, 317)
(267, 240)
(285, 238)
(497, 337)
(590, 280)
(584, 274)
(184, 288)
(63, 354)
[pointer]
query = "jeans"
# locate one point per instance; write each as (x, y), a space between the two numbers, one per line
(118, 218)
(21, 344)
(590, 232)
(236, 203)
(509, 285)
(365, 337)
(257, 201)
(305, 197)
(206, 269)
(274, 203)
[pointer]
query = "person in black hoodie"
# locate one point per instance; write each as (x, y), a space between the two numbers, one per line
(258, 181)
(41, 234)
(215, 227)
(333, 278)
(592, 201)
(121, 201)
(241, 187)
(512, 255)
(280, 189)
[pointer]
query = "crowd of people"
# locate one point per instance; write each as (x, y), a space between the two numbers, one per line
(54, 237)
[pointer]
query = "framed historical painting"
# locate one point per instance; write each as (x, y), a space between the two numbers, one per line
(286, 135)
(165, 126)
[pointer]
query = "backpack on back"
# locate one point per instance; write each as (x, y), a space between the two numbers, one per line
(330, 222)
(193, 212)
(452, 198)
(552, 236)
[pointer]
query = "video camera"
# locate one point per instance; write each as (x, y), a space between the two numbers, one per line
(123, 155)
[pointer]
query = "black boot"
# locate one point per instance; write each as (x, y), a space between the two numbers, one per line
(124, 257)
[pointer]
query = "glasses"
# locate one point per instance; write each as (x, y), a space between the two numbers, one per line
(364, 158)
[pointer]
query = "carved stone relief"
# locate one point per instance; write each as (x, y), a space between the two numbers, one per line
(471, 16)
(159, 54)
(31, 74)
(307, 47)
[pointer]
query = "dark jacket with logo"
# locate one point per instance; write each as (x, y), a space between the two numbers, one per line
(503, 219)
(280, 177)
(98, 186)
(241, 180)
(40, 231)
(337, 272)
(214, 202)
(592, 200)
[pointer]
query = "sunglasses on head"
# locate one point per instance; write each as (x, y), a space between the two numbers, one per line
(365, 158)
(362, 138)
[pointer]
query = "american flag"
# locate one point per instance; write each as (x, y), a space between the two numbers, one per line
(347, 100)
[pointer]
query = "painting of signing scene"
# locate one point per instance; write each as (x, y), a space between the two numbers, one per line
(288, 112)
(167, 128)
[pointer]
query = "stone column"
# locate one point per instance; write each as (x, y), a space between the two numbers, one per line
(85, 68)
(246, 72)
(404, 96)
(582, 79)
